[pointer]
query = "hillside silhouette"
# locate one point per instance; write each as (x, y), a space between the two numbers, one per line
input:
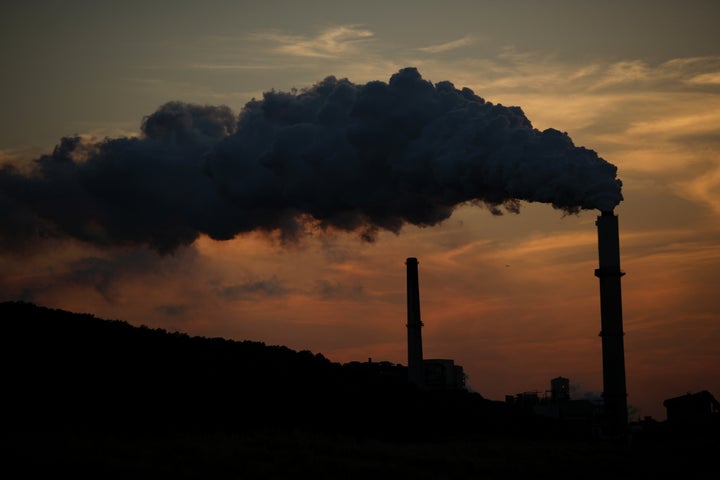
(91, 396)
(76, 371)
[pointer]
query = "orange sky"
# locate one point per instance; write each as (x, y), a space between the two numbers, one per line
(511, 298)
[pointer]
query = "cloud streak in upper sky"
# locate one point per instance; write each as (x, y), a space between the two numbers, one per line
(447, 46)
(330, 43)
(355, 158)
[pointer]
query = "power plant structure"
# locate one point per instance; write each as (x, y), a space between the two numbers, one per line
(416, 372)
(614, 393)
(613, 350)
(429, 374)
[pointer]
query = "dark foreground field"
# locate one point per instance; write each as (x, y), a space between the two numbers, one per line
(280, 455)
(92, 398)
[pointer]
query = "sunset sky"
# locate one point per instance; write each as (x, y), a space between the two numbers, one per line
(512, 297)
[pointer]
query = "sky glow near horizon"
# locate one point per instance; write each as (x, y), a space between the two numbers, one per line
(512, 298)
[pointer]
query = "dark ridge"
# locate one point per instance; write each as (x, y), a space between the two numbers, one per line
(76, 371)
(104, 398)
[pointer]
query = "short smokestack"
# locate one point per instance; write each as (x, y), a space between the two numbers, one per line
(613, 350)
(416, 373)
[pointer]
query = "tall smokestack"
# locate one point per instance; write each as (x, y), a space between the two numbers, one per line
(416, 373)
(613, 350)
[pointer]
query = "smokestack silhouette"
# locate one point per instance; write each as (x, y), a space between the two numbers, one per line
(613, 350)
(416, 373)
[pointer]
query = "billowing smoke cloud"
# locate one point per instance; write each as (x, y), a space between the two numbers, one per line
(337, 155)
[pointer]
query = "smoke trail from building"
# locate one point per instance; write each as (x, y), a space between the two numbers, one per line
(337, 155)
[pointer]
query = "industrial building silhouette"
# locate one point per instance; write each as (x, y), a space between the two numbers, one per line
(692, 408)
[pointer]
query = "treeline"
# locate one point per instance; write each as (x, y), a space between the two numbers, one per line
(64, 370)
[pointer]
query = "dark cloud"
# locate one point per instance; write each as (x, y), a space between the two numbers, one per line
(331, 290)
(340, 156)
(271, 287)
(172, 310)
(98, 273)
(104, 273)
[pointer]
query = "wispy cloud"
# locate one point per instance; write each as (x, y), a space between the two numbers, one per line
(328, 290)
(623, 73)
(545, 245)
(711, 78)
(447, 46)
(511, 71)
(682, 124)
(705, 188)
(330, 43)
(250, 290)
(230, 66)
(172, 310)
